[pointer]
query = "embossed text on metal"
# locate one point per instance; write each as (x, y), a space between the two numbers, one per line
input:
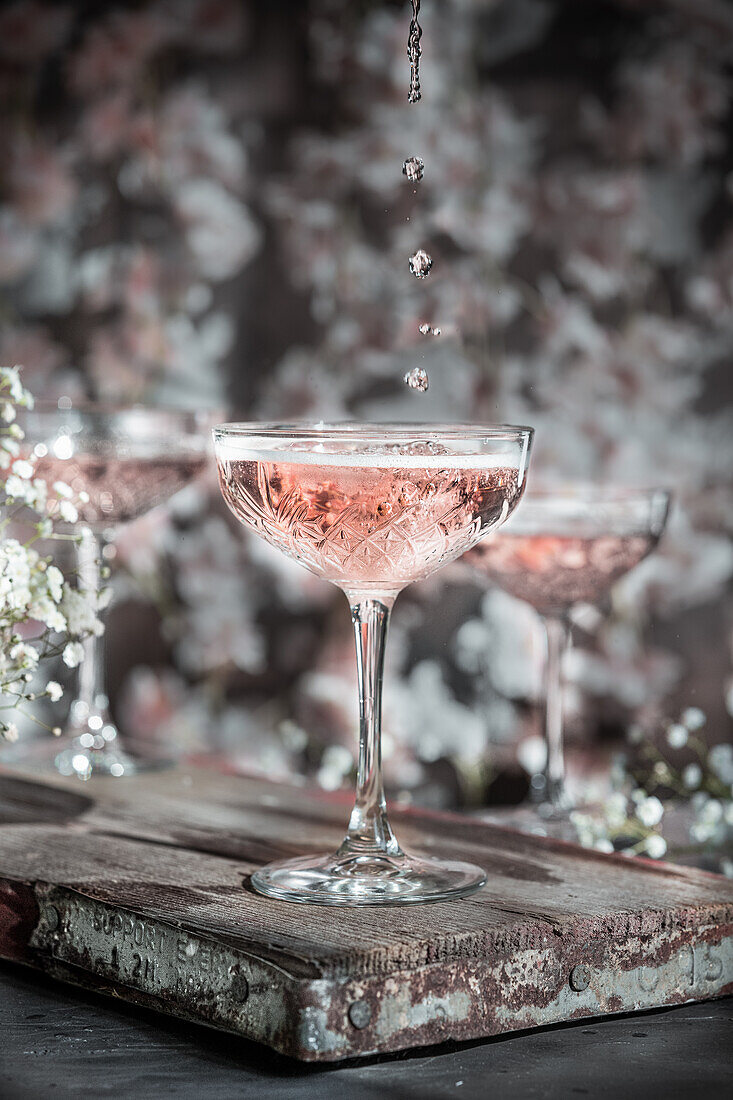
(141, 953)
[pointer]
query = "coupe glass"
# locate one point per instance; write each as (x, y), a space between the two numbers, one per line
(128, 461)
(370, 508)
(563, 548)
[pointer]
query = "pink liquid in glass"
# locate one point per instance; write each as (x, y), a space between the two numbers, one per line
(553, 572)
(362, 522)
(120, 489)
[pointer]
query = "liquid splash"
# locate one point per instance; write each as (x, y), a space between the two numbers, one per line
(414, 169)
(420, 264)
(417, 379)
(413, 53)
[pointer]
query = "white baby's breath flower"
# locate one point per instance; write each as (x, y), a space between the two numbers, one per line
(677, 735)
(10, 732)
(720, 761)
(63, 490)
(22, 468)
(655, 846)
(79, 608)
(73, 654)
(10, 445)
(692, 776)
(16, 488)
(24, 655)
(67, 511)
(650, 812)
(712, 812)
(32, 589)
(104, 598)
(693, 718)
(10, 378)
(55, 583)
(45, 611)
(337, 761)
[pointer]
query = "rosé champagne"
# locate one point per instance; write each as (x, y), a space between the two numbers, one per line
(370, 520)
(553, 572)
(120, 488)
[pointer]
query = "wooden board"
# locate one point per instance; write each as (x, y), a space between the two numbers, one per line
(139, 888)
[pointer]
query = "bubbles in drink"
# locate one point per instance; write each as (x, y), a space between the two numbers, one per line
(423, 447)
(413, 53)
(420, 264)
(417, 379)
(427, 330)
(414, 169)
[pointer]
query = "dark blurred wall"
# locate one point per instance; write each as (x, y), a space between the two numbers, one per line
(203, 202)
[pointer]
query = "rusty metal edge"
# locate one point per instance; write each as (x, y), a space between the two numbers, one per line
(333, 1019)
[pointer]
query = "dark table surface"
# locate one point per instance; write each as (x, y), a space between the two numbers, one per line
(58, 1042)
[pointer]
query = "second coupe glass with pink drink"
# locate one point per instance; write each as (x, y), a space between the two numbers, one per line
(124, 461)
(370, 508)
(565, 547)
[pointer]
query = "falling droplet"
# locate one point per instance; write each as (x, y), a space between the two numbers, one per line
(413, 53)
(428, 330)
(417, 379)
(414, 169)
(420, 264)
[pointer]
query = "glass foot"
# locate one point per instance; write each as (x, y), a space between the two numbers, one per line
(367, 880)
(45, 754)
(85, 762)
(542, 819)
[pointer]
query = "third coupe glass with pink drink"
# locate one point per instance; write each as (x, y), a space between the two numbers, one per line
(563, 548)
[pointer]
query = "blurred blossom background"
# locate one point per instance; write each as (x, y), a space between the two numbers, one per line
(202, 204)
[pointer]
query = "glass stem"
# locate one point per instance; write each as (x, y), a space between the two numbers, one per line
(557, 635)
(369, 832)
(91, 692)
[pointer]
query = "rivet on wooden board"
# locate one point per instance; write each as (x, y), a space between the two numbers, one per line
(360, 1013)
(51, 917)
(240, 986)
(580, 977)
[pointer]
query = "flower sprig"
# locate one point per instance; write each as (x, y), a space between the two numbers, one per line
(630, 823)
(41, 615)
(651, 783)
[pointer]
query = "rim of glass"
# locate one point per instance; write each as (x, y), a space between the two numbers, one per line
(355, 429)
(588, 492)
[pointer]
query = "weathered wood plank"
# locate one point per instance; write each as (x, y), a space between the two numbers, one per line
(174, 851)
